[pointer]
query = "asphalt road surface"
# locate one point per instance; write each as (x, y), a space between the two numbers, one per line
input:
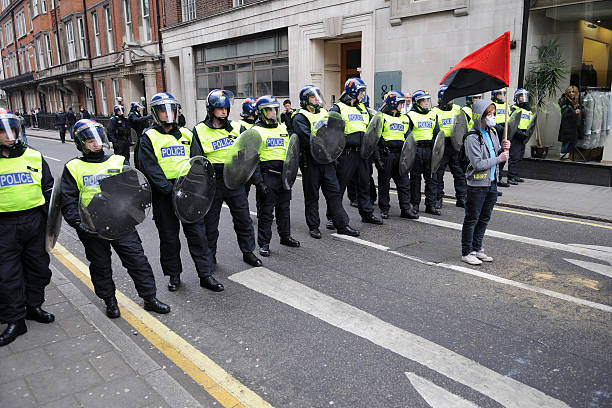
(394, 318)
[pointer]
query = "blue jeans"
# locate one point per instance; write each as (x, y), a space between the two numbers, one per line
(478, 209)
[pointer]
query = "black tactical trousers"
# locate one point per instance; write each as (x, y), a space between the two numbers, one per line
(238, 205)
(451, 159)
(122, 147)
(168, 228)
(130, 252)
(24, 266)
(422, 167)
(517, 151)
(275, 203)
(323, 176)
(350, 164)
(391, 171)
(351, 188)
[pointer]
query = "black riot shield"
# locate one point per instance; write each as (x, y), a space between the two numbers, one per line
(407, 155)
(194, 190)
(531, 128)
(459, 129)
(54, 218)
(115, 203)
(242, 159)
(292, 161)
(371, 136)
(329, 141)
(437, 152)
(513, 123)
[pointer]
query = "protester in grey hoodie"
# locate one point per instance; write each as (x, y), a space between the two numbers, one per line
(484, 153)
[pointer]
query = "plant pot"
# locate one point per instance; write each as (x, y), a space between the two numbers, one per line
(539, 152)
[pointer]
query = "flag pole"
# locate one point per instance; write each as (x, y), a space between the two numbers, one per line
(506, 113)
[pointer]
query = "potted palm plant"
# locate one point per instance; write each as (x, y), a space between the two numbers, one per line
(543, 81)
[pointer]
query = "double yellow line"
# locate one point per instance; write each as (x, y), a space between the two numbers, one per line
(217, 382)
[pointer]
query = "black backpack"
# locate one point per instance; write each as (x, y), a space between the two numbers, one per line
(464, 161)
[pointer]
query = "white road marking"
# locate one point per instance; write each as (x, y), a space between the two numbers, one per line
(602, 269)
(435, 396)
(505, 390)
(595, 247)
(584, 250)
(49, 157)
(484, 275)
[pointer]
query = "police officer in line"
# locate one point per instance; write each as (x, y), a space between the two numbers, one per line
(499, 99)
(517, 149)
(77, 176)
(424, 127)
(248, 114)
(215, 136)
(467, 109)
(272, 198)
(139, 123)
(164, 150)
(395, 131)
(25, 188)
(356, 117)
(446, 117)
(317, 176)
(119, 132)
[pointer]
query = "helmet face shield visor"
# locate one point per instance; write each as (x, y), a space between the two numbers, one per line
(165, 112)
(424, 101)
(522, 97)
(9, 129)
(315, 98)
(92, 137)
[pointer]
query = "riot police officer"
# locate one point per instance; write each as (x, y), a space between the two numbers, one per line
(499, 100)
(215, 136)
(248, 114)
(84, 173)
(306, 122)
(394, 133)
(467, 109)
(119, 132)
(272, 198)
(164, 150)
(446, 116)
(423, 124)
(25, 190)
(517, 148)
(357, 117)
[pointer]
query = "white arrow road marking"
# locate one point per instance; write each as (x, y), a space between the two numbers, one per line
(437, 397)
(474, 272)
(505, 390)
(602, 269)
(595, 247)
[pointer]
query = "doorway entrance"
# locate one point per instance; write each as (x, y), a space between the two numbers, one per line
(351, 61)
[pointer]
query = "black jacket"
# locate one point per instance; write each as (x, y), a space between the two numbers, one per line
(60, 119)
(571, 128)
(118, 129)
(353, 139)
(138, 122)
(70, 118)
(84, 114)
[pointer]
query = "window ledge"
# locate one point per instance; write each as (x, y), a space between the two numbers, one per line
(411, 8)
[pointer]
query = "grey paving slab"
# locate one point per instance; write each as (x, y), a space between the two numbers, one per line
(22, 364)
(39, 335)
(16, 394)
(75, 325)
(64, 380)
(123, 392)
(68, 402)
(78, 348)
(110, 366)
(62, 309)
(52, 296)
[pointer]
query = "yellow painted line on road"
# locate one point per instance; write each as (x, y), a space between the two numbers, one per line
(220, 384)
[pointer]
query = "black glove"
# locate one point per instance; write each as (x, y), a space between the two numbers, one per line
(84, 230)
(262, 189)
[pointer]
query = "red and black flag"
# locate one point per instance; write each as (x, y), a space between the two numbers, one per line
(485, 69)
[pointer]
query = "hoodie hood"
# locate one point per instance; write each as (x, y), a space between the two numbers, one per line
(480, 105)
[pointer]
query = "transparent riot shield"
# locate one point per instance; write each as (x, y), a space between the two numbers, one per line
(531, 128)
(371, 136)
(329, 141)
(242, 159)
(194, 190)
(437, 152)
(291, 163)
(54, 218)
(513, 123)
(459, 129)
(407, 155)
(115, 201)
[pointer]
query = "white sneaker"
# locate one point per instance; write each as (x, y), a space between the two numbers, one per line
(482, 256)
(471, 259)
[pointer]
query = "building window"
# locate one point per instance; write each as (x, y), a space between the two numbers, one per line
(70, 41)
(57, 49)
(8, 32)
(27, 57)
(116, 88)
(1, 39)
(96, 28)
(238, 3)
(20, 23)
(43, 6)
(5, 3)
(34, 8)
(247, 67)
(146, 20)
(189, 10)
(82, 41)
(48, 50)
(41, 60)
(109, 29)
(21, 59)
(103, 100)
(128, 20)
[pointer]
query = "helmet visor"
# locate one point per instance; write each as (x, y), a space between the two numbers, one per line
(424, 101)
(9, 128)
(165, 112)
(522, 97)
(315, 98)
(92, 137)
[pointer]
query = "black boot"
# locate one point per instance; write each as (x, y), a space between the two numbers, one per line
(354, 203)
(384, 215)
(264, 250)
(432, 210)
(290, 242)
(12, 331)
(371, 219)
(315, 233)
(112, 308)
(438, 204)
(511, 182)
(330, 225)
(211, 283)
(502, 184)
(36, 313)
(151, 303)
(251, 259)
(410, 214)
(348, 230)
(174, 283)
(460, 202)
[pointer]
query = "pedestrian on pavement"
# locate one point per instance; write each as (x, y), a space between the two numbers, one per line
(35, 117)
(215, 136)
(70, 121)
(287, 113)
(25, 188)
(23, 130)
(84, 114)
(83, 172)
(119, 132)
(164, 150)
(571, 128)
(482, 148)
(60, 123)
